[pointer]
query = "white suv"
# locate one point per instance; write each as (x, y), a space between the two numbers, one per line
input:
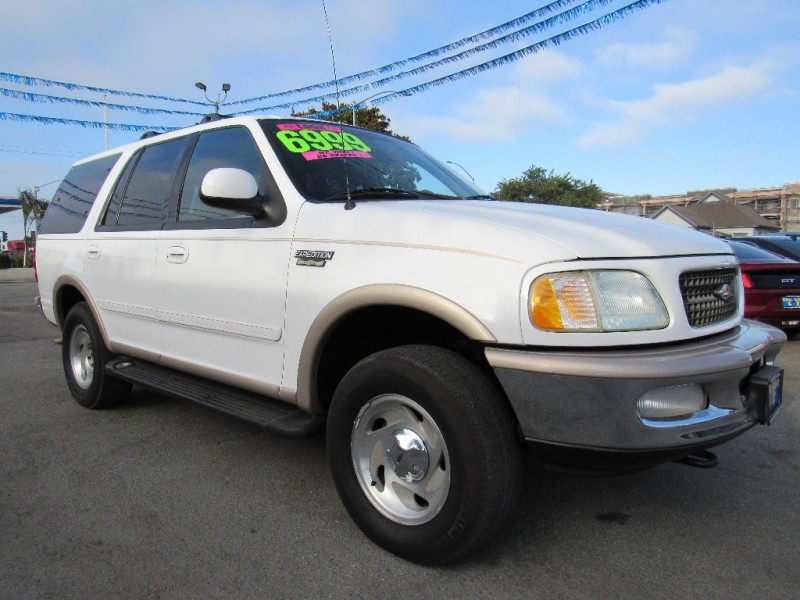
(301, 275)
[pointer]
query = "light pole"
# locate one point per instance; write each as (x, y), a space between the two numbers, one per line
(226, 87)
(36, 188)
(355, 105)
(450, 162)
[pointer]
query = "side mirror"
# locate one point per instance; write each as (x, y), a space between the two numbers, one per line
(233, 189)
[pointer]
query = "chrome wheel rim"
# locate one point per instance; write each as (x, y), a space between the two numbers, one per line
(400, 459)
(81, 357)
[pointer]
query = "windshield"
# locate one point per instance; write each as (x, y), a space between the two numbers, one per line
(329, 162)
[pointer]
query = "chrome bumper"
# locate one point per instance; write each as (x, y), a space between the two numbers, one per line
(588, 399)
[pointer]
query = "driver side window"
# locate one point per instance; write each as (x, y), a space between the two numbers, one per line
(231, 147)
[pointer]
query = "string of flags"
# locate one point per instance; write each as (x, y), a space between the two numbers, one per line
(533, 23)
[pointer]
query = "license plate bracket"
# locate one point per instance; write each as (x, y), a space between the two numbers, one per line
(766, 391)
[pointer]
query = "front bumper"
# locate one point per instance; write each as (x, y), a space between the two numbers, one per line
(581, 406)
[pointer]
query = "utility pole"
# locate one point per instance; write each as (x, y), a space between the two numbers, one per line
(105, 119)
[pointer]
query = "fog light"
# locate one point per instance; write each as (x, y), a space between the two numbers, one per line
(672, 402)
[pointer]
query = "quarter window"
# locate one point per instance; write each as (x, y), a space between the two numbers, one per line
(76, 194)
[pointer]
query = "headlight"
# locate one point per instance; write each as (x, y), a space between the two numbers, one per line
(596, 301)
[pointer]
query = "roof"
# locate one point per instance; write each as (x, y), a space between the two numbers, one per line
(715, 196)
(715, 215)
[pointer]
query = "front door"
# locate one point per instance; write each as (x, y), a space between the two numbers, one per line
(222, 275)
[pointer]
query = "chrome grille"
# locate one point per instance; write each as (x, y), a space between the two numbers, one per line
(704, 297)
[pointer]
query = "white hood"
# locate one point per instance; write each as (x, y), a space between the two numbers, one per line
(538, 232)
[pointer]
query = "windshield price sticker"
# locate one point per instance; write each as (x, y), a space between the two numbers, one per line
(309, 126)
(315, 142)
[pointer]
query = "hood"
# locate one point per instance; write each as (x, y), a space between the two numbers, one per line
(532, 233)
(582, 233)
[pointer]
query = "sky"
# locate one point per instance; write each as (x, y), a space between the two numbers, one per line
(681, 95)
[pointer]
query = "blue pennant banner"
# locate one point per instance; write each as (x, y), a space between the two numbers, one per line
(550, 42)
(536, 28)
(527, 51)
(487, 34)
(39, 82)
(31, 97)
(4, 116)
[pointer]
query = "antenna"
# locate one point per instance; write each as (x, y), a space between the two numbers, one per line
(333, 56)
(349, 205)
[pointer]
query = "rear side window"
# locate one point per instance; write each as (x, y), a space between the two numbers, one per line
(76, 195)
(147, 194)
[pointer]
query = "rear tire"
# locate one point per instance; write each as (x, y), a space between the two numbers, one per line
(424, 453)
(84, 356)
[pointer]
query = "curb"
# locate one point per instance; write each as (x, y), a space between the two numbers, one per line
(16, 275)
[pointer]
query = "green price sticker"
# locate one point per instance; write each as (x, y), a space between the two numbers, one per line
(308, 140)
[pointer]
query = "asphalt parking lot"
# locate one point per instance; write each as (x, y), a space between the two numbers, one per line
(159, 498)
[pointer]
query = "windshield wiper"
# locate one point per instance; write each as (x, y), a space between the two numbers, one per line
(376, 192)
(479, 197)
(427, 194)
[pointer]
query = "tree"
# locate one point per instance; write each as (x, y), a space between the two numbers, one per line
(33, 209)
(537, 185)
(369, 118)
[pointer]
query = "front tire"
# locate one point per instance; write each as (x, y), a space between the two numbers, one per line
(424, 453)
(84, 356)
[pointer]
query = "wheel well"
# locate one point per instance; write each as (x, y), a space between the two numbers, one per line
(377, 328)
(67, 297)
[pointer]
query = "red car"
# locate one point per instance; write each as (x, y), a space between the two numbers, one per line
(771, 287)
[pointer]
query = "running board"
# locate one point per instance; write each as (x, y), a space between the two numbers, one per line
(272, 415)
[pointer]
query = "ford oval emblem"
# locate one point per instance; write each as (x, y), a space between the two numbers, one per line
(724, 292)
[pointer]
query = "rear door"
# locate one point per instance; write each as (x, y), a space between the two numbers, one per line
(121, 250)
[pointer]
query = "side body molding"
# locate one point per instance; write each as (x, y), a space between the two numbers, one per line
(405, 296)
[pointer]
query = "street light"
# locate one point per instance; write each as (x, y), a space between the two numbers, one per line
(355, 105)
(450, 162)
(226, 87)
(36, 188)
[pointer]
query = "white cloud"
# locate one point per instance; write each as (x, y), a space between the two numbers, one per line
(680, 102)
(496, 115)
(678, 47)
(547, 68)
(509, 111)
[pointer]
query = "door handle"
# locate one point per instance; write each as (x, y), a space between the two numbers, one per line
(93, 252)
(177, 254)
